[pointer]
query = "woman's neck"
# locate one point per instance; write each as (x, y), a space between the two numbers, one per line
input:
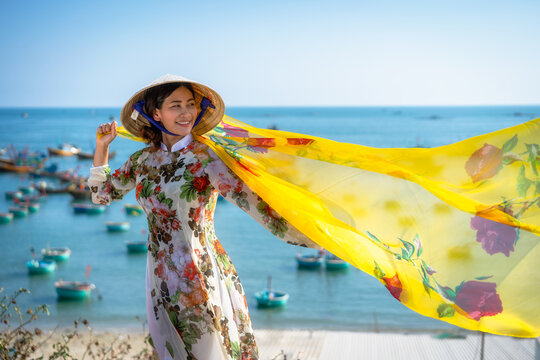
(170, 140)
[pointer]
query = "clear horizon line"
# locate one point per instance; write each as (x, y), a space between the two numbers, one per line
(279, 106)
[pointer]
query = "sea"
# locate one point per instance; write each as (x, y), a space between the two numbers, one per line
(319, 299)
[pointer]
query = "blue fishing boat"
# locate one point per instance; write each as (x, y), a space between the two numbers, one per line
(133, 209)
(10, 195)
(18, 211)
(309, 261)
(268, 298)
(271, 299)
(90, 209)
(27, 190)
(136, 246)
(36, 267)
(32, 207)
(332, 262)
(74, 290)
(56, 254)
(6, 218)
(117, 226)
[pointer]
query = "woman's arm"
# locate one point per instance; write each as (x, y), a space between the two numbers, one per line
(104, 185)
(232, 188)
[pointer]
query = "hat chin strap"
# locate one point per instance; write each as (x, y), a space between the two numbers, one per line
(205, 103)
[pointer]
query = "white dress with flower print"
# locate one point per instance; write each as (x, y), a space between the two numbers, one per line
(196, 306)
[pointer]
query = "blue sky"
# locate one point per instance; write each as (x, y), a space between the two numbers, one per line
(283, 53)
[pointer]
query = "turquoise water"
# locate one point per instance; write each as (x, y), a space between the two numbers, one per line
(318, 299)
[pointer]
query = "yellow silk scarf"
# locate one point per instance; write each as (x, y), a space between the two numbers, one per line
(452, 232)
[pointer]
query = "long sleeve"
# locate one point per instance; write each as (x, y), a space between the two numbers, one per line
(106, 186)
(232, 188)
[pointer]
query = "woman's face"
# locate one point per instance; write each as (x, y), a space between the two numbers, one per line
(178, 112)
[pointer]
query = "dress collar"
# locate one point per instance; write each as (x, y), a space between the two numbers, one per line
(180, 144)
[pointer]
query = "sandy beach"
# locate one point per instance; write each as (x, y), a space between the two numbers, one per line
(331, 345)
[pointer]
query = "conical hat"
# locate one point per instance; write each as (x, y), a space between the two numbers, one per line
(134, 122)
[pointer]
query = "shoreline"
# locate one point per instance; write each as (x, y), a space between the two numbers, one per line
(320, 344)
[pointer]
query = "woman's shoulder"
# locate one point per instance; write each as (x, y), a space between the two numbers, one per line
(137, 154)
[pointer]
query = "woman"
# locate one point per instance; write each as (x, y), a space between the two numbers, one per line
(196, 306)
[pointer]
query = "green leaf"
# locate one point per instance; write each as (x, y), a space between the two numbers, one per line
(169, 347)
(533, 151)
(447, 292)
(409, 247)
(378, 272)
(428, 268)
(510, 144)
(419, 247)
(372, 237)
(147, 190)
(522, 182)
(483, 277)
(236, 351)
(445, 310)
(510, 158)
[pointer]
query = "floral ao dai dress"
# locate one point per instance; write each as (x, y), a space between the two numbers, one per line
(196, 306)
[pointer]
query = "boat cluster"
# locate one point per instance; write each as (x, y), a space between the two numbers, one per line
(270, 298)
(47, 264)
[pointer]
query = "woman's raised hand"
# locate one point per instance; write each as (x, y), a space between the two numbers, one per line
(106, 133)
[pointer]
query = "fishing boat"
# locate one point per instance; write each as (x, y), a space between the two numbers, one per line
(138, 246)
(309, 261)
(18, 211)
(90, 209)
(75, 290)
(32, 207)
(10, 195)
(56, 254)
(268, 298)
(133, 209)
(117, 226)
(6, 218)
(332, 262)
(77, 194)
(88, 156)
(64, 150)
(36, 267)
(27, 190)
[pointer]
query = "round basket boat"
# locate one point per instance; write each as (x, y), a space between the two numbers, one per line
(271, 298)
(10, 195)
(56, 254)
(75, 290)
(36, 267)
(90, 209)
(309, 261)
(134, 209)
(27, 190)
(136, 246)
(335, 263)
(32, 207)
(117, 226)
(18, 211)
(6, 218)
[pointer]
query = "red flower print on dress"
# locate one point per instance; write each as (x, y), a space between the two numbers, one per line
(201, 183)
(393, 285)
(138, 190)
(479, 299)
(175, 224)
(494, 237)
(484, 163)
(159, 271)
(190, 271)
(194, 168)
